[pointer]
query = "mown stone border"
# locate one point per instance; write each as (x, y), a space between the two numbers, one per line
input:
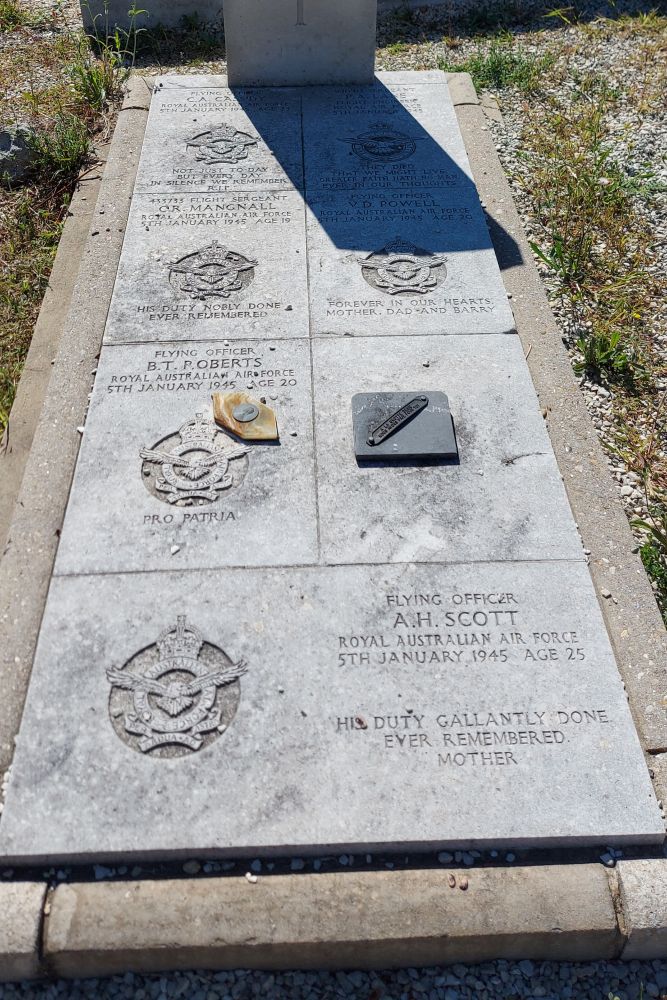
(374, 918)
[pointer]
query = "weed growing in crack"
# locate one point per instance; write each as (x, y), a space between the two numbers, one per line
(653, 555)
(105, 59)
(62, 147)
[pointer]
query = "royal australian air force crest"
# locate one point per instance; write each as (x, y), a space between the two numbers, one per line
(402, 268)
(382, 143)
(223, 144)
(214, 272)
(176, 696)
(195, 465)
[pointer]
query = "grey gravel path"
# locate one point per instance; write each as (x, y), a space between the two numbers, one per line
(491, 981)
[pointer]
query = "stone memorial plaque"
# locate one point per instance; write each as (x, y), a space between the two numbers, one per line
(399, 426)
(242, 633)
(160, 486)
(208, 265)
(212, 139)
(271, 43)
(397, 262)
(391, 135)
(242, 712)
(503, 500)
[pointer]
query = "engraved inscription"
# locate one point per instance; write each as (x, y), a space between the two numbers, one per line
(213, 272)
(428, 630)
(401, 268)
(176, 696)
(224, 144)
(397, 420)
(246, 210)
(205, 370)
(195, 465)
(382, 143)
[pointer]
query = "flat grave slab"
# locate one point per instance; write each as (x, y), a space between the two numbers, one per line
(354, 707)
(503, 499)
(392, 135)
(260, 647)
(231, 502)
(212, 139)
(397, 262)
(223, 265)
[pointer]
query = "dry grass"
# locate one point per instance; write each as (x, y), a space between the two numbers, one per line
(37, 57)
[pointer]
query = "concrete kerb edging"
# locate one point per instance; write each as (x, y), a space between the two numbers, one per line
(342, 920)
(352, 919)
(21, 918)
(17, 440)
(32, 538)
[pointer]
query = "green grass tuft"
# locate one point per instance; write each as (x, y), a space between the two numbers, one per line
(500, 66)
(654, 558)
(62, 149)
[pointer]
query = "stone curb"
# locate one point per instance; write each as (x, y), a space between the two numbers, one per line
(348, 920)
(17, 440)
(337, 920)
(32, 538)
(642, 887)
(21, 914)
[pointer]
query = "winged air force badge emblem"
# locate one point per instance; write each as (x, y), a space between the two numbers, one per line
(194, 465)
(382, 143)
(213, 272)
(175, 696)
(224, 144)
(401, 268)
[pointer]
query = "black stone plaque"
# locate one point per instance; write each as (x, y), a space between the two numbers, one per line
(399, 426)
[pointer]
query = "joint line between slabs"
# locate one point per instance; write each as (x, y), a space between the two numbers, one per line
(564, 561)
(310, 341)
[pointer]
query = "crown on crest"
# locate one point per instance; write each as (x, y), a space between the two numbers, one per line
(184, 640)
(224, 132)
(399, 246)
(385, 127)
(216, 253)
(199, 430)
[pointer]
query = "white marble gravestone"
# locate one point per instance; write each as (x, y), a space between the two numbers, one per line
(269, 647)
(299, 42)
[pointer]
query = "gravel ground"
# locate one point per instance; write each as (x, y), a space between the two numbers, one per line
(633, 61)
(491, 981)
(616, 58)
